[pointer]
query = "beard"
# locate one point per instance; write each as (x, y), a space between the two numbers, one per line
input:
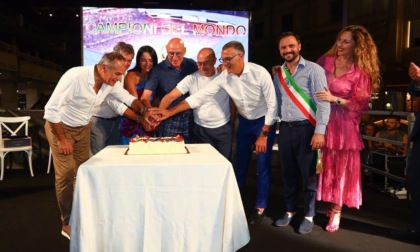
(294, 56)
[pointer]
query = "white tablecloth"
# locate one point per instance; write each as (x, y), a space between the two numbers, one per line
(179, 202)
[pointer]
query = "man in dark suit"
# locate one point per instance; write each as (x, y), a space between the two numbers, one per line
(413, 168)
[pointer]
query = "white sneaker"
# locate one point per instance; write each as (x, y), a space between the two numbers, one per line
(401, 191)
(65, 231)
(390, 190)
(65, 234)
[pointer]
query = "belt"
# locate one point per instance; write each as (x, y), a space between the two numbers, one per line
(109, 119)
(76, 127)
(296, 123)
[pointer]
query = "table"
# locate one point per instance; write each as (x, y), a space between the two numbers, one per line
(179, 202)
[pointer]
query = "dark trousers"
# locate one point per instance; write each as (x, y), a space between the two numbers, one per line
(413, 180)
(298, 162)
(248, 132)
(103, 132)
(220, 138)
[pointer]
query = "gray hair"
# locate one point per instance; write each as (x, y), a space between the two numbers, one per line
(108, 59)
(123, 47)
(235, 45)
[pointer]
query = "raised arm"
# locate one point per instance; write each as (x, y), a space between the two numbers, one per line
(169, 98)
(145, 98)
(164, 114)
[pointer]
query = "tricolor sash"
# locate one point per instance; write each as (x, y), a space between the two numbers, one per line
(299, 98)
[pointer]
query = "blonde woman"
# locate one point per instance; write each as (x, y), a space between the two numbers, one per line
(352, 70)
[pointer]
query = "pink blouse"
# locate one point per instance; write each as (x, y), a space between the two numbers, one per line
(354, 86)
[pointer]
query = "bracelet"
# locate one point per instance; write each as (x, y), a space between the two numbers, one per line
(138, 119)
(265, 133)
(143, 109)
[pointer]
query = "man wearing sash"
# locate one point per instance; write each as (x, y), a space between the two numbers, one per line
(302, 127)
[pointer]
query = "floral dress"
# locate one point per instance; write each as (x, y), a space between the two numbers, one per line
(340, 180)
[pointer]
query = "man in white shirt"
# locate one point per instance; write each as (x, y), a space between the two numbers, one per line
(212, 119)
(105, 128)
(252, 90)
(75, 99)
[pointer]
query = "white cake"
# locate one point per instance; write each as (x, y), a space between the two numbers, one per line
(156, 145)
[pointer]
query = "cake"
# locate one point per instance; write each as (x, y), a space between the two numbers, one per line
(156, 145)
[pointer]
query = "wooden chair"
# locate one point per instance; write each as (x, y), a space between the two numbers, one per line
(7, 129)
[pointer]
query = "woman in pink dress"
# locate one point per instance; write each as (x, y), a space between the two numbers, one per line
(352, 70)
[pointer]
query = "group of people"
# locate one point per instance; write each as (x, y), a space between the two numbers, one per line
(319, 106)
(114, 122)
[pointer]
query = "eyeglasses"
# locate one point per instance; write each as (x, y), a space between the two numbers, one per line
(227, 59)
(172, 54)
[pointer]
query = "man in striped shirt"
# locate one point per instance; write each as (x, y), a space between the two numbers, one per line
(302, 128)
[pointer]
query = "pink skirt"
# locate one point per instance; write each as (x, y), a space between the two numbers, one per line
(340, 180)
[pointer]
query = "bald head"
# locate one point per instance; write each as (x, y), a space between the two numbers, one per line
(176, 52)
(207, 52)
(175, 43)
(206, 59)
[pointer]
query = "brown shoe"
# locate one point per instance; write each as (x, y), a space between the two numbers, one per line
(65, 231)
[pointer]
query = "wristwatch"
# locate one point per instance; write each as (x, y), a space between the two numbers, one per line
(265, 133)
(338, 101)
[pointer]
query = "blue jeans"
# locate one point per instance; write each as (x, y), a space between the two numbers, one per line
(248, 132)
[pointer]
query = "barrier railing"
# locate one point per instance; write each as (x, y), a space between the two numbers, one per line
(384, 171)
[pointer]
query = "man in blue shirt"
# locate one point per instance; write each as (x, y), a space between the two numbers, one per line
(162, 80)
(301, 130)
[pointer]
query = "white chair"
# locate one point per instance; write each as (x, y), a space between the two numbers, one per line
(49, 161)
(5, 124)
(277, 125)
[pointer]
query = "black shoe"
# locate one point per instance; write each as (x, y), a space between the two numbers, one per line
(256, 218)
(406, 235)
(306, 226)
(283, 221)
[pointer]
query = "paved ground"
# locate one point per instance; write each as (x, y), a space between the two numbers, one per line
(29, 219)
